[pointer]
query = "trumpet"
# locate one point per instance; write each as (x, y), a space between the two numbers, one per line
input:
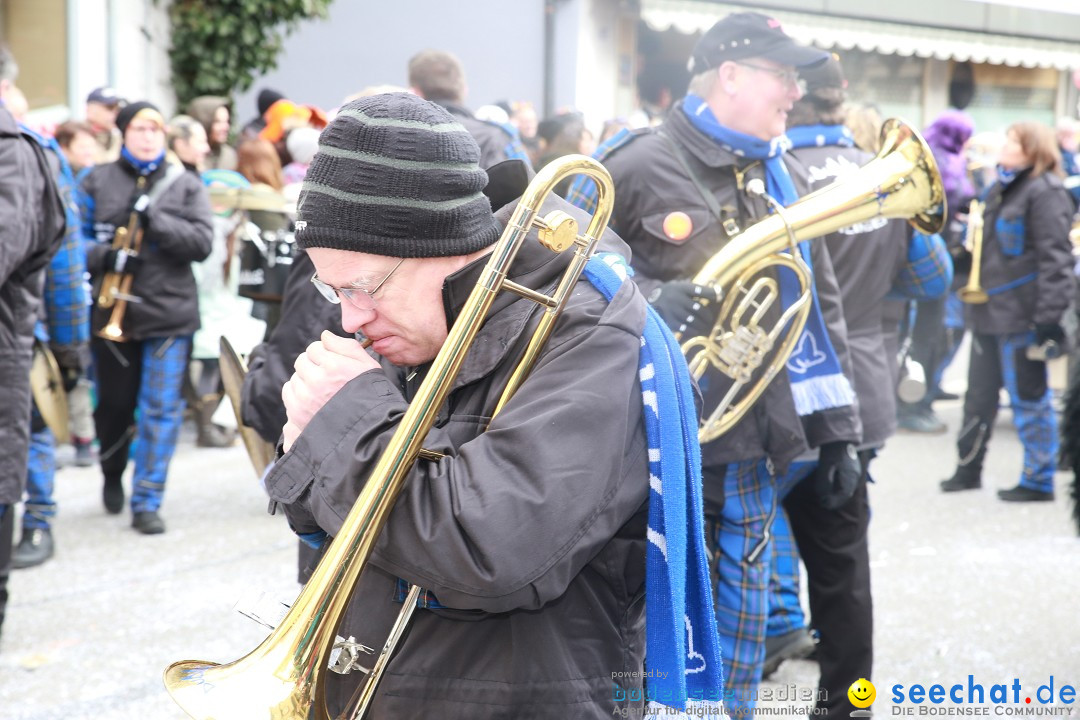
(115, 290)
(973, 293)
(284, 677)
(902, 181)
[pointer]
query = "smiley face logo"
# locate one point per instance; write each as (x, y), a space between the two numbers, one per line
(862, 693)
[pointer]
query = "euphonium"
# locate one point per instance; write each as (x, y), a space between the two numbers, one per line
(973, 293)
(902, 181)
(115, 291)
(283, 678)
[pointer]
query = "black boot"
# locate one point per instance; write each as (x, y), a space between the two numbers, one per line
(211, 435)
(966, 477)
(1025, 494)
(35, 547)
(112, 494)
(148, 523)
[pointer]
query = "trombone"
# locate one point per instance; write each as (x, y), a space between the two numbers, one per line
(284, 677)
(902, 181)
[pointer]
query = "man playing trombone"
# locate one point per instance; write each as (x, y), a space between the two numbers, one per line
(527, 528)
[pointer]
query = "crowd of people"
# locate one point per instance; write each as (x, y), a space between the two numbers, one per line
(535, 534)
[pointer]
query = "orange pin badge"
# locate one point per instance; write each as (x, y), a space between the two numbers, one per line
(678, 226)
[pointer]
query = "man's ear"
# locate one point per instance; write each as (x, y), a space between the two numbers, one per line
(728, 73)
(5, 87)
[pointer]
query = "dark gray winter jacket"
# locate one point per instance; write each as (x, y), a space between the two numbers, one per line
(31, 229)
(1026, 256)
(866, 259)
(179, 232)
(530, 532)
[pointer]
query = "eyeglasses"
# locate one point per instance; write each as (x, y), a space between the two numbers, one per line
(359, 298)
(790, 78)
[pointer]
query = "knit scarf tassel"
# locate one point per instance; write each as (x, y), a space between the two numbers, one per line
(682, 655)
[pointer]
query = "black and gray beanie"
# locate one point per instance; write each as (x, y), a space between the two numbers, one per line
(396, 175)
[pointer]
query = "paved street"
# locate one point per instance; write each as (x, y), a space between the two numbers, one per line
(963, 584)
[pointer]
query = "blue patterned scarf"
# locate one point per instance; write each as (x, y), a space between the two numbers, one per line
(820, 136)
(682, 653)
(814, 372)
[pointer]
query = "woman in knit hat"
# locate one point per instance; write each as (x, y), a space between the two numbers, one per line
(139, 378)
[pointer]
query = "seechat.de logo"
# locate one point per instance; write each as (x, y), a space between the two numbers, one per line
(862, 695)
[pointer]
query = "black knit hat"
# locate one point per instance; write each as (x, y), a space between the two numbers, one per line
(396, 175)
(827, 75)
(128, 113)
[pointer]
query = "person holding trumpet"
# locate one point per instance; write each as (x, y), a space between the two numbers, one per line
(142, 336)
(528, 528)
(1014, 311)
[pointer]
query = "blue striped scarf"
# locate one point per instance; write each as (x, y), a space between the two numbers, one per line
(682, 653)
(814, 372)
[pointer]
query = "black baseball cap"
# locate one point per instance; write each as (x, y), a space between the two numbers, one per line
(749, 34)
(106, 96)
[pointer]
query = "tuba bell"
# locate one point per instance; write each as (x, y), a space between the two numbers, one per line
(284, 677)
(902, 181)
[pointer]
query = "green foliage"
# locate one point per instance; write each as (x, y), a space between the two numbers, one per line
(220, 46)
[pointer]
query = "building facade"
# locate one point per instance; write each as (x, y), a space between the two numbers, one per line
(1016, 59)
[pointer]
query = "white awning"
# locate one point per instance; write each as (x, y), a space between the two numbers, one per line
(826, 31)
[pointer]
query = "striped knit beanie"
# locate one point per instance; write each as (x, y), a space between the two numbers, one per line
(396, 175)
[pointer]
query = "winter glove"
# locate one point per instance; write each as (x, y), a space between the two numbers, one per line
(71, 378)
(686, 308)
(122, 261)
(837, 474)
(961, 259)
(1049, 331)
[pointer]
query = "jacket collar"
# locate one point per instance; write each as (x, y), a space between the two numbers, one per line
(698, 143)
(8, 126)
(534, 267)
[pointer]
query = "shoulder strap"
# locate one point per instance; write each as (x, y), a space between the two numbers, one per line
(173, 172)
(706, 195)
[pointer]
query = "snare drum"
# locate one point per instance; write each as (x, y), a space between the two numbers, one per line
(266, 255)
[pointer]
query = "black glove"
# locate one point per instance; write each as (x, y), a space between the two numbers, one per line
(71, 378)
(1049, 331)
(961, 260)
(837, 474)
(686, 307)
(122, 261)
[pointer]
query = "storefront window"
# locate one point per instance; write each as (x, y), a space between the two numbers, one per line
(1005, 95)
(891, 82)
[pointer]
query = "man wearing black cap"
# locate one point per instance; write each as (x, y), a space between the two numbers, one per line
(171, 211)
(102, 105)
(529, 534)
(680, 195)
(871, 259)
